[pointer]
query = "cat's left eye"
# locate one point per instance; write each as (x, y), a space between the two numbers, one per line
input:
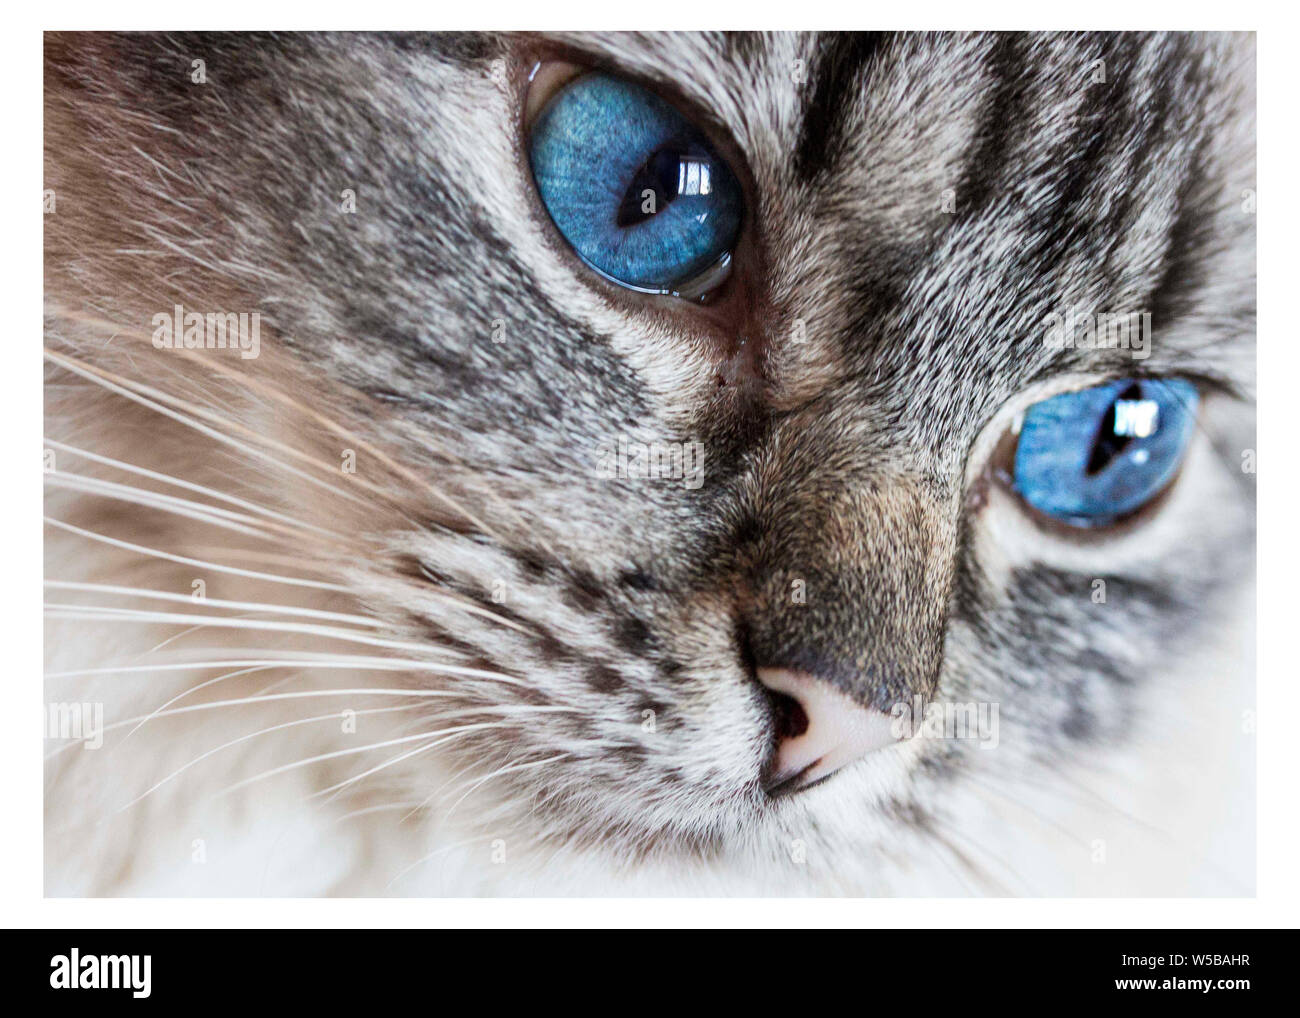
(1091, 458)
(635, 187)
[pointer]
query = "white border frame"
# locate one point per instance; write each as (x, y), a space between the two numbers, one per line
(1278, 682)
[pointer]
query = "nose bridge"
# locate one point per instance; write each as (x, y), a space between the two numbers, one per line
(851, 583)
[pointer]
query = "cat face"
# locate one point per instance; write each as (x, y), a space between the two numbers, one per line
(842, 535)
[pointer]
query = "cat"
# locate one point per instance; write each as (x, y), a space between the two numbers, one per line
(396, 605)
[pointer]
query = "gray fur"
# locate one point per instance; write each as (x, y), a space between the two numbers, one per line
(887, 344)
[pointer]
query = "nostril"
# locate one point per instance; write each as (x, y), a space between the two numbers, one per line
(818, 729)
(789, 721)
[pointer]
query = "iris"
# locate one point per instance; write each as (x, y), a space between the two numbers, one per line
(1089, 458)
(635, 187)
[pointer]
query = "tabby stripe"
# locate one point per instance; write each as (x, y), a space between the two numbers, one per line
(821, 136)
(1002, 113)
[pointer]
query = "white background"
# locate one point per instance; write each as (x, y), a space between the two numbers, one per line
(21, 902)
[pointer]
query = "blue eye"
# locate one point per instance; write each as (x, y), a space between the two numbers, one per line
(633, 186)
(1088, 458)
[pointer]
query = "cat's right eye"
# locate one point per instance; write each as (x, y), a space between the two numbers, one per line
(635, 188)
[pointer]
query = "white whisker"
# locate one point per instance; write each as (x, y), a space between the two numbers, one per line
(433, 855)
(302, 659)
(192, 689)
(351, 751)
(366, 811)
(244, 738)
(182, 560)
(213, 602)
(470, 606)
(211, 515)
(102, 378)
(261, 698)
(188, 486)
(444, 735)
(422, 483)
(501, 772)
(103, 613)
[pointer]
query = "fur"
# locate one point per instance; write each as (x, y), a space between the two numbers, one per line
(585, 646)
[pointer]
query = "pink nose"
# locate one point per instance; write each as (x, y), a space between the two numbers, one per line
(838, 730)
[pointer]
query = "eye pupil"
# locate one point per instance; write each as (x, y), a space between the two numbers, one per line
(1112, 437)
(659, 181)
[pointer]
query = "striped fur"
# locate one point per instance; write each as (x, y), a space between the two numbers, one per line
(591, 640)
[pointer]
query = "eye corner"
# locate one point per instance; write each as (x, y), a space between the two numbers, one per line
(545, 78)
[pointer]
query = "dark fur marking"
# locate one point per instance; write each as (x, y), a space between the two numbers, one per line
(534, 565)
(633, 635)
(1002, 113)
(603, 679)
(840, 64)
(638, 579)
(585, 590)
